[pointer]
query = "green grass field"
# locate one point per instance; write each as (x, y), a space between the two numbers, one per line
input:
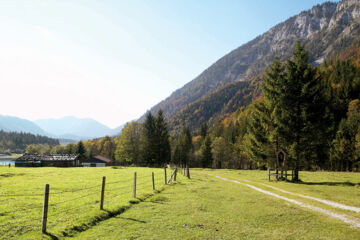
(203, 207)
(74, 197)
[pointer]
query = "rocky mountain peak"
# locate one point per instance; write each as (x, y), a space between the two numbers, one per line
(324, 29)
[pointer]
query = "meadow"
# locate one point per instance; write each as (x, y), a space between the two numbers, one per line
(203, 207)
(74, 198)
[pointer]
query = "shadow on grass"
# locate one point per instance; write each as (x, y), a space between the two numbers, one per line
(69, 232)
(52, 236)
(329, 183)
(132, 219)
(11, 174)
(117, 167)
(159, 200)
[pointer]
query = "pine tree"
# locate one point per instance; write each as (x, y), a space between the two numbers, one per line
(80, 149)
(150, 144)
(203, 130)
(271, 88)
(257, 142)
(301, 108)
(162, 144)
(183, 147)
(206, 155)
(263, 133)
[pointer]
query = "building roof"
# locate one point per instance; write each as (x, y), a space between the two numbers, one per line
(48, 157)
(101, 158)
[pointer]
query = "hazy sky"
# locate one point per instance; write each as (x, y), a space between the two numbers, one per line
(113, 60)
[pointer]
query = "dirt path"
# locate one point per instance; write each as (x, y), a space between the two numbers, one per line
(327, 202)
(354, 222)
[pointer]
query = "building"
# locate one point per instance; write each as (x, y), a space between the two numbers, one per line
(97, 161)
(47, 160)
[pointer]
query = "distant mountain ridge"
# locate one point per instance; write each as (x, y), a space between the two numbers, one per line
(76, 128)
(325, 29)
(67, 128)
(15, 124)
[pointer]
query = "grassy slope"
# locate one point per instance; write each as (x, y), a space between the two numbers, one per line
(20, 216)
(208, 208)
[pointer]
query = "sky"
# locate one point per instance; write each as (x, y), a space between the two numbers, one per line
(114, 60)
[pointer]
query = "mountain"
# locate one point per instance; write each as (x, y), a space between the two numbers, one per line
(325, 30)
(223, 101)
(67, 129)
(15, 124)
(76, 128)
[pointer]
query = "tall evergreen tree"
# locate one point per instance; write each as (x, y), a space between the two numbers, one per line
(271, 88)
(257, 142)
(162, 144)
(80, 149)
(183, 147)
(301, 108)
(206, 155)
(263, 132)
(150, 140)
(203, 130)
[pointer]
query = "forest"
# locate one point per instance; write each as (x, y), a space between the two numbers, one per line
(13, 142)
(311, 112)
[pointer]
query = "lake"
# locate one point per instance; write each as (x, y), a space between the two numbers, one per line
(6, 161)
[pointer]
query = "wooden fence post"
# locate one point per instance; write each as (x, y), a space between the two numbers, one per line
(175, 174)
(102, 193)
(269, 173)
(171, 176)
(134, 190)
(153, 180)
(165, 175)
(45, 208)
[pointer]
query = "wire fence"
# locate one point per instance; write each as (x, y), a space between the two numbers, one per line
(24, 212)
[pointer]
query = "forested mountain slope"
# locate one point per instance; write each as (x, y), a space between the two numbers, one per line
(214, 106)
(17, 142)
(325, 29)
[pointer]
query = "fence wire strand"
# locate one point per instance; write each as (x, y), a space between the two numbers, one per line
(59, 211)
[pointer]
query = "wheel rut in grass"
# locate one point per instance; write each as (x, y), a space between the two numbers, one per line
(354, 222)
(327, 202)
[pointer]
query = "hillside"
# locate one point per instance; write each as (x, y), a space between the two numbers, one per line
(213, 106)
(17, 142)
(15, 124)
(325, 29)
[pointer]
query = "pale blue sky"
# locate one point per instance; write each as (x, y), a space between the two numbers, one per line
(113, 60)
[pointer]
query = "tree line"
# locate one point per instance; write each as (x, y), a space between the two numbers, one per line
(14, 142)
(313, 113)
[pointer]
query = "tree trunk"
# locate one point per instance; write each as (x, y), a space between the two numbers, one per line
(296, 172)
(296, 168)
